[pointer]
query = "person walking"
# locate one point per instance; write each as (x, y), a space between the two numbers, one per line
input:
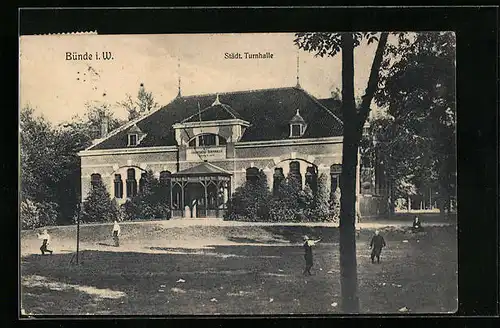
(45, 237)
(376, 244)
(116, 233)
(417, 225)
(308, 256)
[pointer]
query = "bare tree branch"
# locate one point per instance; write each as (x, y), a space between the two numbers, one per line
(373, 80)
(348, 101)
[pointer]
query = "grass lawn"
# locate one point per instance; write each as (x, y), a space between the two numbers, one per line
(232, 270)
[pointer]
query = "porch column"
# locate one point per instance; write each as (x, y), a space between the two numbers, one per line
(217, 198)
(206, 198)
(226, 192)
(358, 188)
(171, 185)
(182, 198)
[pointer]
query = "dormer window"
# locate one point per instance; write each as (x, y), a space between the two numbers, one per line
(296, 130)
(207, 139)
(297, 126)
(132, 139)
(135, 135)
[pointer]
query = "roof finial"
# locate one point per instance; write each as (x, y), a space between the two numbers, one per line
(217, 101)
(298, 84)
(297, 112)
(179, 74)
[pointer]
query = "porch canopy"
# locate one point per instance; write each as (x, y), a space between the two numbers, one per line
(200, 191)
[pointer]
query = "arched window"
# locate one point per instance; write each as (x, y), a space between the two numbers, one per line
(165, 177)
(294, 173)
(142, 182)
(118, 183)
(131, 183)
(312, 178)
(278, 178)
(252, 174)
(207, 139)
(335, 171)
(95, 178)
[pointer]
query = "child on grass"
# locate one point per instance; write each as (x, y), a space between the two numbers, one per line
(308, 243)
(45, 242)
(417, 225)
(116, 233)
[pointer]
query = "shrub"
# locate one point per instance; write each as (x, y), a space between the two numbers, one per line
(98, 206)
(321, 205)
(150, 203)
(335, 206)
(250, 201)
(289, 203)
(37, 214)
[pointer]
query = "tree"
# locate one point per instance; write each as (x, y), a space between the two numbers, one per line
(354, 117)
(150, 202)
(144, 103)
(38, 157)
(98, 206)
(417, 135)
(50, 166)
(35, 214)
(321, 200)
(250, 201)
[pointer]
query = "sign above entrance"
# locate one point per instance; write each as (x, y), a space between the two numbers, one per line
(208, 153)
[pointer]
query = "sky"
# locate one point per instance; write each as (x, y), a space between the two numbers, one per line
(58, 88)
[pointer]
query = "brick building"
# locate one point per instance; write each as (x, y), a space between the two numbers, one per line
(205, 146)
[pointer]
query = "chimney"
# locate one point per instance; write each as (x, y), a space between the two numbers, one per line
(104, 127)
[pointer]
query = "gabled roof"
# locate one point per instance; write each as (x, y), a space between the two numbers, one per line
(204, 168)
(267, 110)
(215, 112)
(297, 118)
(134, 129)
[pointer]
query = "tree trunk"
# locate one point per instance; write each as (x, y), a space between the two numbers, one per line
(348, 262)
(353, 126)
(347, 230)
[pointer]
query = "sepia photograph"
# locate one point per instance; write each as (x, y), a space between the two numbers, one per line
(238, 174)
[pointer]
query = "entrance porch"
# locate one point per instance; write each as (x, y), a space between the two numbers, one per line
(200, 192)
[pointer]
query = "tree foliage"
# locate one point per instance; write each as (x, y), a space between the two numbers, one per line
(250, 201)
(35, 214)
(151, 202)
(253, 201)
(144, 103)
(416, 137)
(354, 116)
(50, 166)
(98, 205)
(38, 155)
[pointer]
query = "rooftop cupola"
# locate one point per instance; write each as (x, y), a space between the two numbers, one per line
(297, 125)
(216, 101)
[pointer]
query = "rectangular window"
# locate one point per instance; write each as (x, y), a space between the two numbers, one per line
(207, 140)
(296, 130)
(131, 183)
(132, 139)
(95, 179)
(118, 186)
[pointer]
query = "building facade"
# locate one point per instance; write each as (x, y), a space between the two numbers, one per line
(205, 146)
